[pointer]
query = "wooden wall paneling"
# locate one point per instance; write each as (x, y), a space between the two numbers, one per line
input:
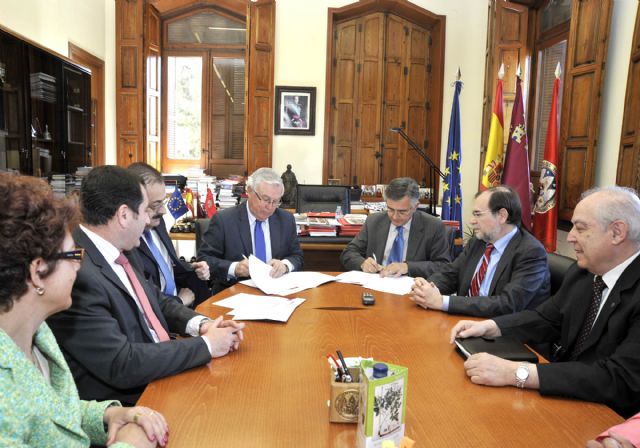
(343, 99)
(629, 157)
(370, 74)
(129, 81)
(506, 43)
(394, 112)
(153, 63)
(586, 56)
(417, 114)
(259, 102)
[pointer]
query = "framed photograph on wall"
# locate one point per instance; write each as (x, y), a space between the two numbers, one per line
(295, 110)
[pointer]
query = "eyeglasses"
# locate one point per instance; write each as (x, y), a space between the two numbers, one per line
(157, 205)
(393, 211)
(272, 202)
(74, 255)
(479, 213)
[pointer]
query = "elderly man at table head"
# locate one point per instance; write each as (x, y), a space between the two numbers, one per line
(503, 269)
(116, 335)
(594, 319)
(162, 267)
(399, 241)
(256, 227)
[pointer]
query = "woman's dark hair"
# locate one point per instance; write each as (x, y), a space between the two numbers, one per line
(33, 224)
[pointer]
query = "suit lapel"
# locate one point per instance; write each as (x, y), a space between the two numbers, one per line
(274, 235)
(415, 234)
(505, 259)
(382, 233)
(245, 229)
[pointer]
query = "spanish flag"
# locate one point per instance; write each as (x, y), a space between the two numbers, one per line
(494, 159)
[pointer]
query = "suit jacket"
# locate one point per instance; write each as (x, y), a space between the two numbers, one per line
(105, 339)
(228, 238)
(37, 413)
(184, 275)
(608, 368)
(427, 245)
(521, 280)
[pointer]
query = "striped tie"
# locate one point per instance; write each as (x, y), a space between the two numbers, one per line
(478, 277)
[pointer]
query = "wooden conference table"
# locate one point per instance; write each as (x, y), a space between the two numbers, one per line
(273, 392)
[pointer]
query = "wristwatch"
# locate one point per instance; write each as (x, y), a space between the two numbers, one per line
(522, 373)
(202, 322)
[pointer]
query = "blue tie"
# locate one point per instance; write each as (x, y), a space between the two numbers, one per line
(261, 250)
(397, 250)
(167, 272)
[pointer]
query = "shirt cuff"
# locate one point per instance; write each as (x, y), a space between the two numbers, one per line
(206, 341)
(445, 303)
(231, 273)
(289, 265)
(193, 326)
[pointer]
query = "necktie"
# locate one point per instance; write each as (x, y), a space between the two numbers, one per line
(598, 286)
(167, 272)
(142, 298)
(478, 277)
(397, 250)
(261, 249)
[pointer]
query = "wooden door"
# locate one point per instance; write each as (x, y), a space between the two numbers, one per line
(129, 81)
(261, 23)
(629, 158)
(586, 55)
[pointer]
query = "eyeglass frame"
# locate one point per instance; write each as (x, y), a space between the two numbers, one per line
(71, 255)
(479, 213)
(155, 208)
(270, 202)
(403, 213)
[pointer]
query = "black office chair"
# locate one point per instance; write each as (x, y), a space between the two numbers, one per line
(558, 266)
(322, 198)
(201, 227)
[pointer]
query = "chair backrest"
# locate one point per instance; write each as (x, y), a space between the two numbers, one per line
(201, 227)
(558, 266)
(322, 198)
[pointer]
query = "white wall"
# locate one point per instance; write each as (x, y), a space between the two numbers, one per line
(89, 24)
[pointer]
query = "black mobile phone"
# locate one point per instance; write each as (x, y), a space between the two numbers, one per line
(368, 299)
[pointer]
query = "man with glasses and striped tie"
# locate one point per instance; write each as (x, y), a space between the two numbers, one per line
(503, 268)
(593, 320)
(400, 241)
(255, 227)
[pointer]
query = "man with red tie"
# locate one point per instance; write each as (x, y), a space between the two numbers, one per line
(503, 268)
(118, 334)
(593, 320)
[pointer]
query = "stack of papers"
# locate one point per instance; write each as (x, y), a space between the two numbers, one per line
(394, 285)
(252, 307)
(290, 283)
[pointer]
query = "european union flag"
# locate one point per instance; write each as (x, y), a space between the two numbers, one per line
(176, 204)
(452, 192)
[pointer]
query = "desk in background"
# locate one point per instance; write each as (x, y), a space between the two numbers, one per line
(273, 392)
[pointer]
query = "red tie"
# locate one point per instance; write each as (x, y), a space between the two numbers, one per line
(476, 281)
(143, 299)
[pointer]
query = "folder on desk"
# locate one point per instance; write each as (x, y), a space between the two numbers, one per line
(503, 347)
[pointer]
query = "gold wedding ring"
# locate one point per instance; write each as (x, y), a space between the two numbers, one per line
(136, 416)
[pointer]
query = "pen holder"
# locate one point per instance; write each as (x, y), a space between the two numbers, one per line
(343, 405)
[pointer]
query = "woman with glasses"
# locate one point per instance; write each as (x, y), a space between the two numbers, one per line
(39, 404)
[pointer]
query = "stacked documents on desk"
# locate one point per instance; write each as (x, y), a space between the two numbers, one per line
(394, 285)
(252, 307)
(290, 283)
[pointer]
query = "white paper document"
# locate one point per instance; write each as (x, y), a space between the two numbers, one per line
(290, 283)
(394, 285)
(253, 307)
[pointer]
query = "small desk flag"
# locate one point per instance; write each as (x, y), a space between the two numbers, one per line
(176, 204)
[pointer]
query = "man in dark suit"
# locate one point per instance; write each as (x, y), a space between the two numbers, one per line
(399, 241)
(176, 278)
(116, 335)
(503, 269)
(256, 227)
(594, 319)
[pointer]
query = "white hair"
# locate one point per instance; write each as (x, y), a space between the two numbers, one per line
(264, 175)
(622, 204)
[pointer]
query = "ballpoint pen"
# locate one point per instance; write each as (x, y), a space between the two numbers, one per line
(347, 376)
(334, 366)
